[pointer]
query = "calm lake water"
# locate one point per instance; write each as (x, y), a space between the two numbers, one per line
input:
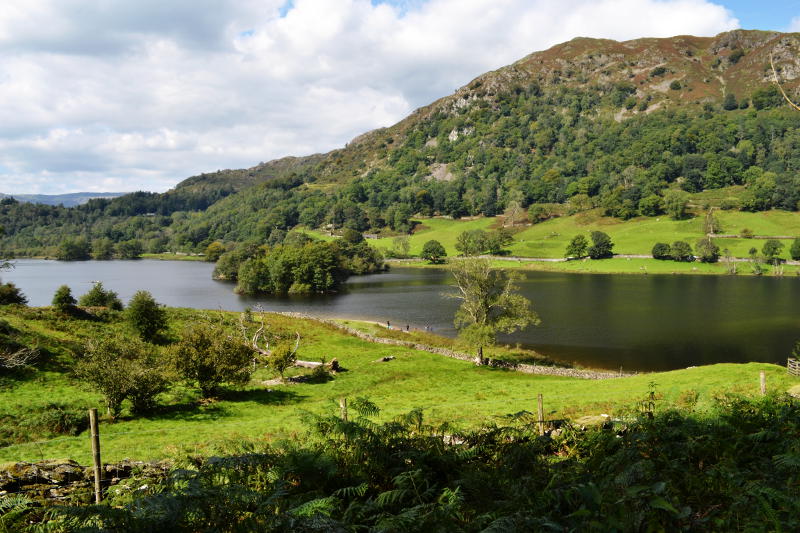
(637, 322)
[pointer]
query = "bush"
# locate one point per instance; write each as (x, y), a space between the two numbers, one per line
(675, 85)
(746, 233)
(681, 251)
(661, 251)
(214, 251)
(120, 368)
(146, 317)
(729, 203)
(209, 356)
(99, 297)
(602, 247)
(63, 300)
(11, 294)
(281, 359)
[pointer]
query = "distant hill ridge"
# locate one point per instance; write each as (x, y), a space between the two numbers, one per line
(67, 200)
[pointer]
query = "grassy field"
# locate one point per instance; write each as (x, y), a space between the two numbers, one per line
(447, 390)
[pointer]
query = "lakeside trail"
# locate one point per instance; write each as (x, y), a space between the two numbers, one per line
(517, 367)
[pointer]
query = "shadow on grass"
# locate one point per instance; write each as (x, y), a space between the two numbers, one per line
(263, 396)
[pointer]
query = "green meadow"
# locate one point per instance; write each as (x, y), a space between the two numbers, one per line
(446, 389)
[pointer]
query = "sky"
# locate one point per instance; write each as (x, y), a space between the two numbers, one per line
(114, 95)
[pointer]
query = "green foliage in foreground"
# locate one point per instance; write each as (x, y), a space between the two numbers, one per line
(734, 470)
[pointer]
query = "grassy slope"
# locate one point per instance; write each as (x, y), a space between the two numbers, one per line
(448, 390)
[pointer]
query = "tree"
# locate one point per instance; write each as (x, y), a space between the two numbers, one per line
(11, 294)
(601, 247)
(99, 297)
(794, 251)
(489, 303)
(209, 356)
(675, 203)
(513, 214)
(120, 368)
(102, 249)
(772, 250)
(651, 205)
(707, 251)
(352, 236)
(63, 300)
(730, 103)
(401, 246)
(661, 251)
(471, 242)
(214, 251)
(74, 250)
(130, 249)
(577, 247)
(433, 252)
(145, 315)
(495, 241)
(681, 251)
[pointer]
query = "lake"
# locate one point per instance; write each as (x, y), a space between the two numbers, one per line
(653, 322)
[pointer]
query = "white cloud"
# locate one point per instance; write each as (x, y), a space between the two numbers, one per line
(99, 94)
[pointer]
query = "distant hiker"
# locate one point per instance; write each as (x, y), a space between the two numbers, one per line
(406, 327)
(388, 325)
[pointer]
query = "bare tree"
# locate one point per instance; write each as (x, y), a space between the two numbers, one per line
(17, 359)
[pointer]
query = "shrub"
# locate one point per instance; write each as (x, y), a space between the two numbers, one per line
(120, 368)
(146, 317)
(11, 294)
(746, 233)
(209, 356)
(99, 297)
(661, 251)
(214, 251)
(63, 300)
(675, 85)
(729, 203)
(281, 359)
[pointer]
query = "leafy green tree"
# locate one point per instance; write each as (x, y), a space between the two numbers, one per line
(63, 300)
(730, 103)
(146, 316)
(78, 249)
(102, 249)
(11, 294)
(120, 368)
(601, 247)
(772, 250)
(100, 297)
(681, 251)
(433, 252)
(651, 205)
(214, 251)
(707, 250)
(210, 356)
(577, 247)
(490, 303)
(661, 251)
(794, 251)
(352, 236)
(130, 249)
(675, 203)
(495, 241)
(401, 245)
(471, 242)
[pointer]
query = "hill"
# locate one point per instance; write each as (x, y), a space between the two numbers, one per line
(587, 124)
(67, 200)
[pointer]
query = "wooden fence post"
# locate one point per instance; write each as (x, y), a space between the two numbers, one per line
(763, 379)
(343, 408)
(98, 472)
(540, 414)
